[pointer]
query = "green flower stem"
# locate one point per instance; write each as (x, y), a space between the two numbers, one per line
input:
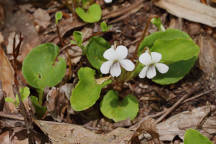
(40, 92)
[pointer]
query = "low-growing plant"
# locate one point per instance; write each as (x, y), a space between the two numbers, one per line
(24, 93)
(165, 57)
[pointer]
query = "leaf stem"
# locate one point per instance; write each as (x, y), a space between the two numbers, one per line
(41, 92)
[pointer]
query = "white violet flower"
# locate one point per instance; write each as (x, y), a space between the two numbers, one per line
(107, 1)
(116, 59)
(150, 62)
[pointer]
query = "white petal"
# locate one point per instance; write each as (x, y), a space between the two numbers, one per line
(127, 64)
(151, 72)
(121, 52)
(107, 1)
(110, 54)
(156, 57)
(142, 74)
(115, 70)
(162, 68)
(105, 67)
(145, 58)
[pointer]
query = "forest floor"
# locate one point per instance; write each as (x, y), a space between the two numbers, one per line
(166, 111)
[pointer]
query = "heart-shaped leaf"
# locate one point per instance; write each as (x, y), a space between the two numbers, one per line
(119, 110)
(92, 15)
(41, 67)
(179, 54)
(95, 49)
(195, 137)
(87, 91)
(169, 34)
(178, 51)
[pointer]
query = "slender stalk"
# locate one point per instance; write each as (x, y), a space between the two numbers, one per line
(40, 92)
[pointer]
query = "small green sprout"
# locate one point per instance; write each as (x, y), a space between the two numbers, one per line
(104, 27)
(58, 16)
(157, 22)
(24, 93)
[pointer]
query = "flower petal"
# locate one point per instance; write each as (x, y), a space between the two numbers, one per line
(145, 58)
(115, 70)
(107, 1)
(105, 67)
(143, 72)
(121, 52)
(151, 72)
(110, 54)
(156, 57)
(127, 64)
(162, 68)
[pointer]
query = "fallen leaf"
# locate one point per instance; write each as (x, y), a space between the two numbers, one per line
(4, 138)
(41, 18)
(177, 124)
(62, 133)
(190, 10)
(207, 56)
(7, 79)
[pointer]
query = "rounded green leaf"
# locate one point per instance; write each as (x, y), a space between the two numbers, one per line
(169, 34)
(179, 54)
(41, 67)
(92, 15)
(87, 91)
(58, 16)
(195, 137)
(119, 110)
(95, 49)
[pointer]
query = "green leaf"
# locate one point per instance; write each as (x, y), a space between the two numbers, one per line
(169, 34)
(104, 26)
(10, 100)
(78, 37)
(42, 68)
(157, 22)
(87, 91)
(58, 16)
(24, 93)
(40, 110)
(92, 15)
(95, 49)
(179, 54)
(195, 137)
(119, 110)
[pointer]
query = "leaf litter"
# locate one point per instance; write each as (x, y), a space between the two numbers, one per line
(153, 99)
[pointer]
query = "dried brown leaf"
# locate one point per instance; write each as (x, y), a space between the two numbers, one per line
(7, 79)
(62, 133)
(177, 124)
(190, 10)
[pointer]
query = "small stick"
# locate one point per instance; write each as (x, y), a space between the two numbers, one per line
(169, 110)
(145, 32)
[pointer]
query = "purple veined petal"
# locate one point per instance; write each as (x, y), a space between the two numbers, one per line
(105, 67)
(127, 64)
(115, 69)
(156, 57)
(162, 68)
(145, 58)
(143, 72)
(151, 72)
(121, 52)
(110, 54)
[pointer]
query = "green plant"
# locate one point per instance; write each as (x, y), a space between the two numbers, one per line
(24, 93)
(195, 137)
(43, 68)
(92, 15)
